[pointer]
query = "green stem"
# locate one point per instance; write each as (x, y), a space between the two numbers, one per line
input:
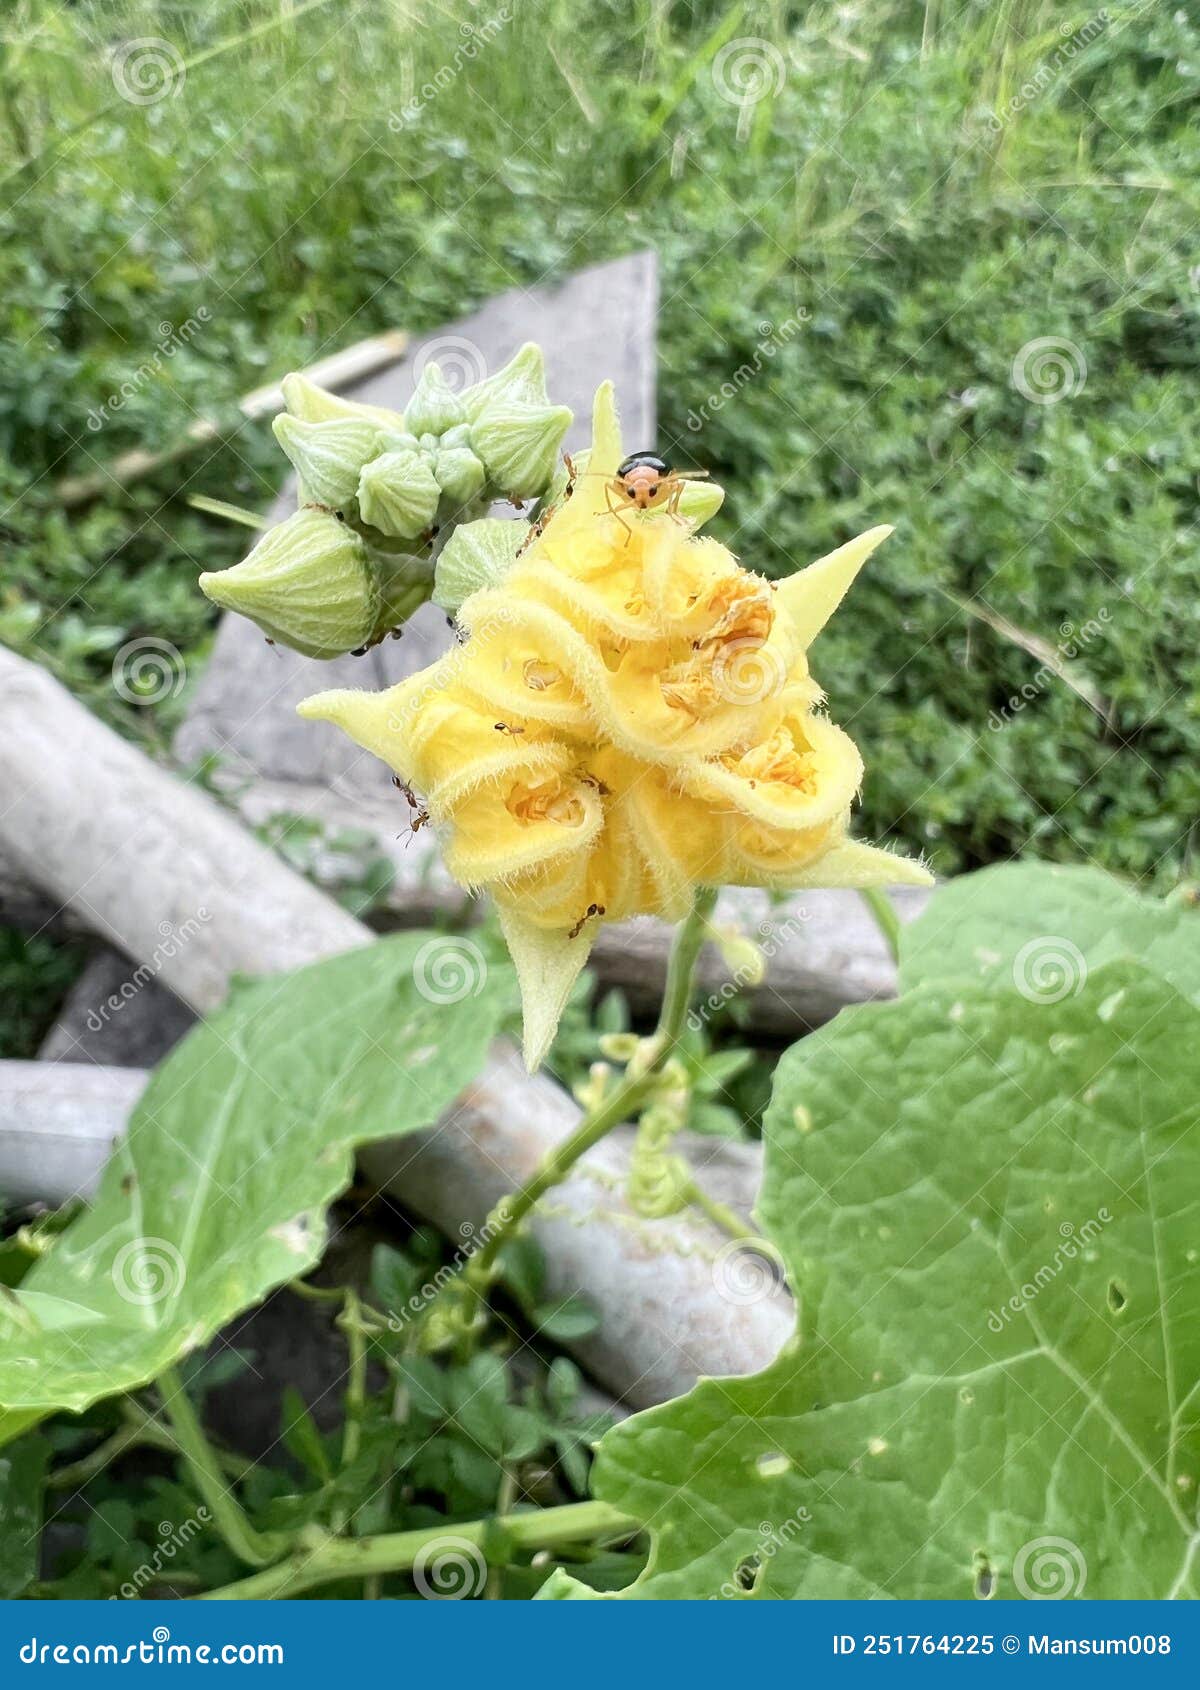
(685, 953)
(886, 919)
(721, 1215)
(395, 1552)
(125, 1438)
(247, 1543)
(356, 1391)
(618, 1107)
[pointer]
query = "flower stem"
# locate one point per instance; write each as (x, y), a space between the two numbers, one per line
(886, 919)
(685, 953)
(721, 1215)
(247, 1543)
(394, 1552)
(620, 1104)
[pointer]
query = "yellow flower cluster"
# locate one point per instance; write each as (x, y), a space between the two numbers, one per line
(631, 716)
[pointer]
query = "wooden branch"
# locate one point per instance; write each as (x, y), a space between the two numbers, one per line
(163, 872)
(340, 369)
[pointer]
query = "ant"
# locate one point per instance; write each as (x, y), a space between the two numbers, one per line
(422, 814)
(504, 728)
(592, 909)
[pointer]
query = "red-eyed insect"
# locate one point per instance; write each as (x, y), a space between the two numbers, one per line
(421, 815)
(592, 910)
(648, 482)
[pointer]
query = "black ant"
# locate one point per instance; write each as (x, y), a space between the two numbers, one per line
(414, 803)
(504, 728)
(592, 909)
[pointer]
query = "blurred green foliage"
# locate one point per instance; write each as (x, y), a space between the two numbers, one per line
(860, 254)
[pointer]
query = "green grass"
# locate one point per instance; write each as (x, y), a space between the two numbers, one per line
(867, 201)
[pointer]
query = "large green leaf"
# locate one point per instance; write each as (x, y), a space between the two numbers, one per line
(22, 1479)
(1038, 928)
(244, 1135)
(988, 1210)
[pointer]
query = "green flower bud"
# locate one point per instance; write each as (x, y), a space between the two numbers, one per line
(399, 494)
(460, 474)
(304, 399)
(477, 554)
(519, 446)
(435, 406)
(328, 456)
(308, 583)
(699, 501)
(522, 381)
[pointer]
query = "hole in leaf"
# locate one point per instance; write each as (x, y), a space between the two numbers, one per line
(746, 1573)
(985, 1578)
(1116, 1296)
(773, 1465)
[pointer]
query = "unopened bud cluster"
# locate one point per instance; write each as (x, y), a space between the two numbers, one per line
(380, 493)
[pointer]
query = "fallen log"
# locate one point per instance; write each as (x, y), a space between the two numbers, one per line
(59, 1121)
(165, 874)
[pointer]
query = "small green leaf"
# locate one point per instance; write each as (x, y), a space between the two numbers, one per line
(565, 1321)
(300, 1436)
(987, 1208)
(218, 1192)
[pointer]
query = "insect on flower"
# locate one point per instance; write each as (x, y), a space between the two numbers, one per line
(422, 814)
(648, 483)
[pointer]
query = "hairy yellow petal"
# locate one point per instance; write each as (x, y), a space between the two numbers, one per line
(811, 596)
